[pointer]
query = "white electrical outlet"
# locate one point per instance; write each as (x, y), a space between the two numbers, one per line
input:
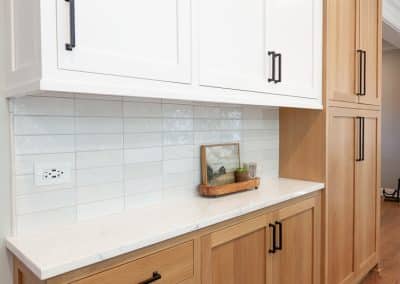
(52, 174)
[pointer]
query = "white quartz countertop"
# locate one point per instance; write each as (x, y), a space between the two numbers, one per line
(56, 252)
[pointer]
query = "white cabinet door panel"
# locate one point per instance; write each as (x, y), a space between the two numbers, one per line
(232, 44)
(293, 28)
(132, 38)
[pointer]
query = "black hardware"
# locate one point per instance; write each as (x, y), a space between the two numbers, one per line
(72, 44)
(156, 276)
(365, 74)
(272, 53)
(363, 139)
(359, 158)
(361, 71)
(279, 56)
(273, 250)
(279, 247)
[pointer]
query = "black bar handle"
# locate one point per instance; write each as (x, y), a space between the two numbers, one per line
(273, 249)
(280, 246)
(156, 276)
(359, 148)
(361, 70)
(364, 93)
(70, 46)
(363, 139)
(272, 53)
(279, 56)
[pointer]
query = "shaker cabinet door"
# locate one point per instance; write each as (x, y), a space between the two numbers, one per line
(141, 39)
(294, 32)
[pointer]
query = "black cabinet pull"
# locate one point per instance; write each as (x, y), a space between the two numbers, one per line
(365, 73)
(272, 54)
(279, 247)
(279, 56)
(363, 139)
(156, 276)
(361, 71)
(72, 44)
(273, 249)
(359, 158)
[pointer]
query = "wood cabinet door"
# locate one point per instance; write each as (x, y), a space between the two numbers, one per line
(340, 196)
(370, 40)
(299, 237)
(232, 52)
(141, 39)
(237, 254)
(294, 31)
(342, 42)
(366, 195)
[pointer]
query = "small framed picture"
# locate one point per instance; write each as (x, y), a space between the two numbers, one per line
(219, 163)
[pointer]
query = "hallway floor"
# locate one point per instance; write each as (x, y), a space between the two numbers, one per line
(390, 247)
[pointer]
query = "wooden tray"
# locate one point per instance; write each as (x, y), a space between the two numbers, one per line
(213, 191)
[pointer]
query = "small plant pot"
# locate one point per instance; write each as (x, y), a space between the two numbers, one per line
(241, 176)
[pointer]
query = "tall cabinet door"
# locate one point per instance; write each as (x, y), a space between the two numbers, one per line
(341, 48)
(123, 38)
(237, 254)
(366, 192)
(340, 197)
(294, 32)
(232, 45)
(297, 259)
(370, 37)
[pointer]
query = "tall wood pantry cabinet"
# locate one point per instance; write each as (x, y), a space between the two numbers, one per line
(353, 200)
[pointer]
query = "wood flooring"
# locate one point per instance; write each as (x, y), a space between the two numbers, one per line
(390, 247)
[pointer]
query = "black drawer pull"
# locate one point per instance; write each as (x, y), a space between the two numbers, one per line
(70, 46)
(279, 56)
(273, 249)
(156, 276)
(272, 53)
(279, 247)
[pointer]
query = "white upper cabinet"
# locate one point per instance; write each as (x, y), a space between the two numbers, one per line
(260, 52)
(144, 39)
(272, 46)
(292, 33)
(232, 44)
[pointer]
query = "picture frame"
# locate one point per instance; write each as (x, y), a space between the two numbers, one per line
(219, 163)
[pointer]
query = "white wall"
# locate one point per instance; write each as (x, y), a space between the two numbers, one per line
(391, 119)
(5, 189)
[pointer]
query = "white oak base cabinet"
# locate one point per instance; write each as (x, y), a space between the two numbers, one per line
(277, 245)
(172, 49)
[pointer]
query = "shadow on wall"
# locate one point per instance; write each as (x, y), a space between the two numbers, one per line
(391, 118)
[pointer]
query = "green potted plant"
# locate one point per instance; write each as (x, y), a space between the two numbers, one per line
(241, 174)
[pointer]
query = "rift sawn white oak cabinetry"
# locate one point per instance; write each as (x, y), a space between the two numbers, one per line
(223, 51)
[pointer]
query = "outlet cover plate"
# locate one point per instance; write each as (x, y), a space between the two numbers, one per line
(47, 174)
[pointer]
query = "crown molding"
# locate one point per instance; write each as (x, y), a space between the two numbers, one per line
(391, 14)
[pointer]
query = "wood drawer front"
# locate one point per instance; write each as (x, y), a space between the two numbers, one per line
(174, 264)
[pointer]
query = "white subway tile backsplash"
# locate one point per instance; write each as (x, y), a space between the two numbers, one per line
(143, 140)
(125, 152)
(143, 155)
(97, 176)
(91, 107)
(142, 109)
(43, 106)
(97, 159)
(41, 125)
(98, 142)
(88, 194)
(101, 208)
(45, 201)
(44, 144)
(98, 125)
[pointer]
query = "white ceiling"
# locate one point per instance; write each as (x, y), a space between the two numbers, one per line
(391, 23)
